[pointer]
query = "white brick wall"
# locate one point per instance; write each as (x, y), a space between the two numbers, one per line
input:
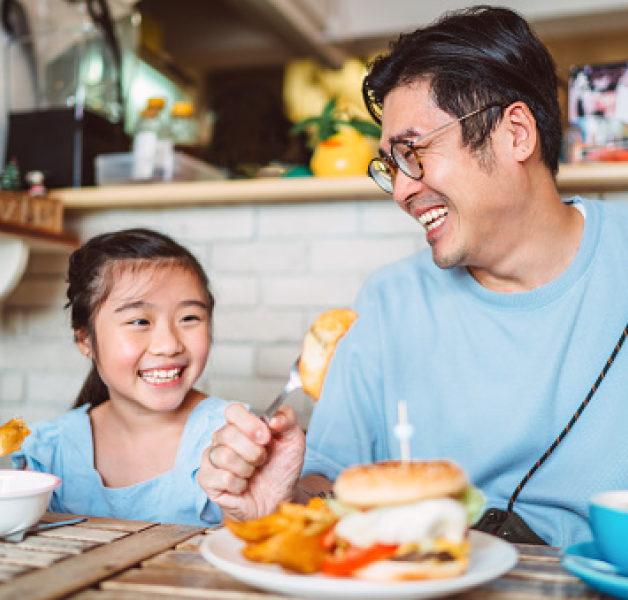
(273, 269)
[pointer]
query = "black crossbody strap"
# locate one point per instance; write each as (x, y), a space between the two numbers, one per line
(573, 419)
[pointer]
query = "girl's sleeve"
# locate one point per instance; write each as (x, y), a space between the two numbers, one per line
(39, 448)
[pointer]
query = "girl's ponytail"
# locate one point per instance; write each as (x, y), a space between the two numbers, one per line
(93, 391)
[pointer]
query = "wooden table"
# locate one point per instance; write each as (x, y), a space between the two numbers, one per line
(105, 559)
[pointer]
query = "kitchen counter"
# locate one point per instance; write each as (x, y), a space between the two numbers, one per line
(572, 178)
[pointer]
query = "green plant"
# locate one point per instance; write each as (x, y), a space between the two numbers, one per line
(330, 122)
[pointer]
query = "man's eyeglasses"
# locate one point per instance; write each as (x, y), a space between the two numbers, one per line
(405, 156)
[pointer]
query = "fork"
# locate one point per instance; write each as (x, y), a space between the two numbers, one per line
(17, 536)
(294, 383)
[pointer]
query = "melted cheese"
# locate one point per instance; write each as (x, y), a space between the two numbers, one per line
(425, 522)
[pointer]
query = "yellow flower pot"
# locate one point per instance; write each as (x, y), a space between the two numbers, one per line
(343, 155)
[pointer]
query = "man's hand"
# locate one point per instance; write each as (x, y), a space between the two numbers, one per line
(251, 467)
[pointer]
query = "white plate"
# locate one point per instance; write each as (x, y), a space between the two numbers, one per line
(490, 557)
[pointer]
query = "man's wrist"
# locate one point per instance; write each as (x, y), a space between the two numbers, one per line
(312, 486)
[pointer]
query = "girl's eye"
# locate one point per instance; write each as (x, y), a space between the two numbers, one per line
(142, 322)
(190, 318)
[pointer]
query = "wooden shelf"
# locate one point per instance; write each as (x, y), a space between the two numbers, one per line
(16, 242)
(40, 239)
(592, 177)
(289, 190)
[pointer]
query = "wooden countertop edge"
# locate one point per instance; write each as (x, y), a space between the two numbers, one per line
(572, 178)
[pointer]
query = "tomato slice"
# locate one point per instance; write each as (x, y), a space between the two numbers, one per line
(328, 540)
(355, 558)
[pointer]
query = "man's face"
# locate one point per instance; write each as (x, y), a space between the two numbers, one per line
(462, 199)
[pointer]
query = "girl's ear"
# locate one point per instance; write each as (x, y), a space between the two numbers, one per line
(84, 343)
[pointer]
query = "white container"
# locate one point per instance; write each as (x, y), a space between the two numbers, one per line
(24, 497)
(117, 169)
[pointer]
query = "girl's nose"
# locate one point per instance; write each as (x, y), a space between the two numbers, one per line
(165, 340)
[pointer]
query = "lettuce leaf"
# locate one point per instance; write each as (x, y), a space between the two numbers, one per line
(474, 501)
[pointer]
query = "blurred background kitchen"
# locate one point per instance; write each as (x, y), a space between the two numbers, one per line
(211, 120)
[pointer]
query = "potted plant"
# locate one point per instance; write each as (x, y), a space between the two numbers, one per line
(339, 142)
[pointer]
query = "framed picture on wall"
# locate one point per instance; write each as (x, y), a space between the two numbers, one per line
(598, 110)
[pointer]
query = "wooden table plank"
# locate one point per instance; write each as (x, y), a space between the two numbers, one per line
(180, 559)
(530, 552)
(506, 588)
(545, 571)
(78, 572)
(99, 522)
(135, 595)
(194, 543)
(38, 542)
(12, 555)
(186, 582)
(10, 571)
(84, 534)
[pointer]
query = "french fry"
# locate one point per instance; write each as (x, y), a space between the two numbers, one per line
(258, 529)
(290, 537)
(12, 434)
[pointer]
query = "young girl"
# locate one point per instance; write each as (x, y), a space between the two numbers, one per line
(141, 312)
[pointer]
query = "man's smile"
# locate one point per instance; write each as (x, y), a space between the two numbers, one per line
(433, 218)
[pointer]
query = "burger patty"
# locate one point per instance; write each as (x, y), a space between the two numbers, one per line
(418, 556)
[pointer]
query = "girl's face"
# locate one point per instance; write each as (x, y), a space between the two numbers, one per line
(153, 337)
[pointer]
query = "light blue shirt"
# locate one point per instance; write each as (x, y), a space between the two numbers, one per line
(491, 379)
(64, 447)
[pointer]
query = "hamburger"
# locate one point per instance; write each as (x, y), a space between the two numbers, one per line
(401, 521)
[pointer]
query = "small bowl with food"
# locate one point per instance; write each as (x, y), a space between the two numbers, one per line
(24, 497)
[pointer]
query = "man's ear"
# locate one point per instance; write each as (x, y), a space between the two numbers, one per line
(84, 343)
(521, 125)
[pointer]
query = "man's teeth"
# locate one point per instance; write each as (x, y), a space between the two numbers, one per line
(161, 375)
(433, 218)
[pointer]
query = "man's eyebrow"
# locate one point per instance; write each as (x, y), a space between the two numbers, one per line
(410, 132)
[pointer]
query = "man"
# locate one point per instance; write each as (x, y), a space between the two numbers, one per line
(494, 336)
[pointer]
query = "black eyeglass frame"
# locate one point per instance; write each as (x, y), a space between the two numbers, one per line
(390, 164)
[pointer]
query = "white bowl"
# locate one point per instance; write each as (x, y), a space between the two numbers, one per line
(24, 497)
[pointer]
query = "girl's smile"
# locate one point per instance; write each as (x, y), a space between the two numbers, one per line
(163, 376)
(152, 337)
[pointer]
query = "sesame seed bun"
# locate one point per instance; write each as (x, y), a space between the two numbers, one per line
(395, 482)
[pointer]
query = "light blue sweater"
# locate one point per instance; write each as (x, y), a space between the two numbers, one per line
(64, 447)
(491, 379)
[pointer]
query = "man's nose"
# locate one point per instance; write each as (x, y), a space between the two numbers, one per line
(405, 188)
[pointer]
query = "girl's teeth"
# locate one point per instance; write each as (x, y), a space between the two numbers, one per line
(161, 375)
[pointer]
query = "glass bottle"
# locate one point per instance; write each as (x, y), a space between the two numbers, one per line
(164, 158)
(145, 142)
(184, 127)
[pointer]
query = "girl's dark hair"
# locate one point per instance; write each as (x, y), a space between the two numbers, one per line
(91, 277)
(474, 57)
